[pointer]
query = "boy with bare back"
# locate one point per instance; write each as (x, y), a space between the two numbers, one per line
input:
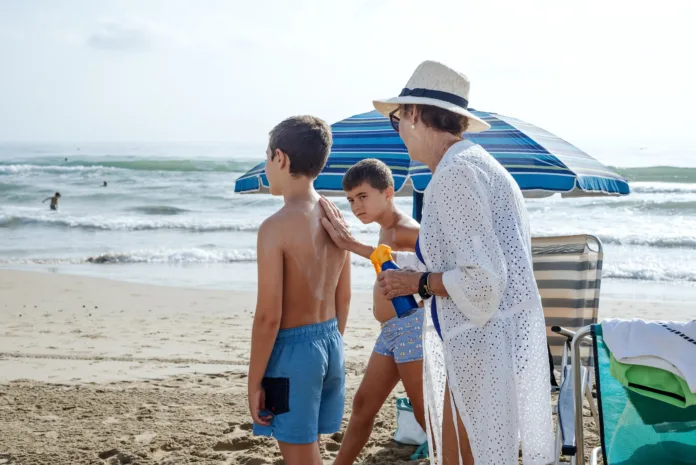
(398, 352)
(297, 372)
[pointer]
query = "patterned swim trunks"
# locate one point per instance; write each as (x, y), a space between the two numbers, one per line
(402, 338)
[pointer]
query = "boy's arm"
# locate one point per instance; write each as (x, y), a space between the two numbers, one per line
(405, 238)
(269, 305)
(343, 295)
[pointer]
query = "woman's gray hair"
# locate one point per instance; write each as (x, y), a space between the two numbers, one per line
(439, 118)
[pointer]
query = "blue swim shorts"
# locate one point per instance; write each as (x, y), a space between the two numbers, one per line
(402, 338)
(304, 384)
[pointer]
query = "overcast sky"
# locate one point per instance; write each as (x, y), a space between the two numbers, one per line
(610, 73)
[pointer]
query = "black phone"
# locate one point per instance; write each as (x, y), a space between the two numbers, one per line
(277, 395)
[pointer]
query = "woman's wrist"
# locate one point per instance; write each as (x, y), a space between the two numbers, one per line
(436, 286)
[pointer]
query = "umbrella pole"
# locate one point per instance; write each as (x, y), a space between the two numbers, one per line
(417, 206)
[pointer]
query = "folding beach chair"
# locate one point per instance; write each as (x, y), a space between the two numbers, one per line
(634, 429)
(568, 272)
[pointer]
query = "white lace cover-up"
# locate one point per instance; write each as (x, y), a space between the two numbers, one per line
(493, 352)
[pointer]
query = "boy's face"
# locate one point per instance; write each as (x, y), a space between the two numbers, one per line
(368, 203)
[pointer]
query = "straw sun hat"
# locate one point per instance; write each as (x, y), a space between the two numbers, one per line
(435, 84)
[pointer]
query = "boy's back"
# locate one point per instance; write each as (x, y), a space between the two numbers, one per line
(312, 264)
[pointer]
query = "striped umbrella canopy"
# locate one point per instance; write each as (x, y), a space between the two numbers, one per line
(541, 163)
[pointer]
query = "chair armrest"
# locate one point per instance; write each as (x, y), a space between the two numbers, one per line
(563, 332)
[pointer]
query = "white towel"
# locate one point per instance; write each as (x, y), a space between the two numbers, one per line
(668, 345)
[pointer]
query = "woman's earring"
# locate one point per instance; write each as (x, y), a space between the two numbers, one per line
(413, 126)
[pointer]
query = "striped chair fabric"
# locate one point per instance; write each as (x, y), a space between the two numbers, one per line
(568, 271)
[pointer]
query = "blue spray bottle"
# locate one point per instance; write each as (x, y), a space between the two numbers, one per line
(382, 260)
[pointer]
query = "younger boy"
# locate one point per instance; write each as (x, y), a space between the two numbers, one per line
(398, 352)
(297, 372)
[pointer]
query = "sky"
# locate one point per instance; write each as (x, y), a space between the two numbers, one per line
(605, 75)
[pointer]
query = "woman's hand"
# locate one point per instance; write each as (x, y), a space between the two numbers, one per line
(336, 226)
(396, 283)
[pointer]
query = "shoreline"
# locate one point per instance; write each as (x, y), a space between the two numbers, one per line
(220, 276)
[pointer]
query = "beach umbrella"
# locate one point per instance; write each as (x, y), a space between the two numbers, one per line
(541, 163)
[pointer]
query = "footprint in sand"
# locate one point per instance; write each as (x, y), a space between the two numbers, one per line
(108, 454)
(168, 446)
(234, 445)
(332, 446)
(252, 461)
(115, 457)
(236, 427)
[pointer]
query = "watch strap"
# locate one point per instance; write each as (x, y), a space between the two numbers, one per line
(423, 289)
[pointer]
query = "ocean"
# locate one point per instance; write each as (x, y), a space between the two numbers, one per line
(169, 216)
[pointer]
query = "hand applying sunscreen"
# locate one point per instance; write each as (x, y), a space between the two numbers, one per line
(382, 260)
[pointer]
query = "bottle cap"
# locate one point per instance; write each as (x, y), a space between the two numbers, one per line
(380, 255)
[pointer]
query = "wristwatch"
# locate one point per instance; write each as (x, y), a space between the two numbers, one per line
(423, 289)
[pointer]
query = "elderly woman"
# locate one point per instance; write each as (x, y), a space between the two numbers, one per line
(485, 358)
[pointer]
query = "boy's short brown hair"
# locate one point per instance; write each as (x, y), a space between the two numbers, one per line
(370, 171)
(306, 140)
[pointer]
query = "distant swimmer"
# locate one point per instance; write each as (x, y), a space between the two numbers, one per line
(105, 184)
(54, 201)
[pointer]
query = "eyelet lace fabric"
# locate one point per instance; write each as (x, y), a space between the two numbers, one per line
(493, 350)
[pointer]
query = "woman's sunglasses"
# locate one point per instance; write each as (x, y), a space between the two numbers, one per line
(394, 120)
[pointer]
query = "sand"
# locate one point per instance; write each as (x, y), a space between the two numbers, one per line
(94, 371)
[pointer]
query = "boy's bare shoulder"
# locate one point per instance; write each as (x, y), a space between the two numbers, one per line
(284, 218)
(271, 227)
(406, 232)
